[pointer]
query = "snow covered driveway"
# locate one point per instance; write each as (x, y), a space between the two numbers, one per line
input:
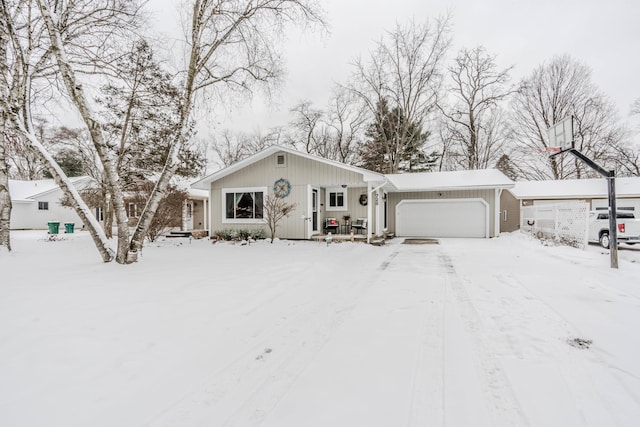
(468, 332)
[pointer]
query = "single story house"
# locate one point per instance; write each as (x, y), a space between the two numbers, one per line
(35, 203)
(442, 204)
(593, 191)
(195, 211)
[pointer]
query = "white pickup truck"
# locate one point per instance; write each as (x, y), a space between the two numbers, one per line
(628, 228)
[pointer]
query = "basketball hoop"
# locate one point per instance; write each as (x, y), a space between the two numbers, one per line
(561, 136)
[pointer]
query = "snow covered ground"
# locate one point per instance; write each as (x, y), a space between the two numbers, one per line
(470, 332)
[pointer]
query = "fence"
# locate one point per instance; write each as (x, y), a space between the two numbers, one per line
(564, 223)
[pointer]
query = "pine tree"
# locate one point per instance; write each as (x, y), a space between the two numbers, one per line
(395, 143)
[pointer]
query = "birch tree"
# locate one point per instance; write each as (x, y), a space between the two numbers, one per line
(27, 65)
(404, 72)
(5, 196)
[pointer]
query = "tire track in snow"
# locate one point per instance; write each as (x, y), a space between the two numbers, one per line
(504, 409)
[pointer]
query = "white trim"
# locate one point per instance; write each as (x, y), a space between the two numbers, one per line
(224, 193)
(345, 199)
(497, 211)
(205, 217)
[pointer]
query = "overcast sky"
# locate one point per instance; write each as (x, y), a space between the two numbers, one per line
(604, 34)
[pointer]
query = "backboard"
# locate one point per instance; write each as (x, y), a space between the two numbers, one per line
(561, 135)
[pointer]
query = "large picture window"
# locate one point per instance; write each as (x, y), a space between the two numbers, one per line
(243, 205)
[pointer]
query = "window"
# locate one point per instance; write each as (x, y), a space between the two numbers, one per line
(133, 210)
(281, 160)
(243, 205)
(43, 206)
(337, 199)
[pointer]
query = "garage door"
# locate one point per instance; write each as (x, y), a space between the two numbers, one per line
(443, 218)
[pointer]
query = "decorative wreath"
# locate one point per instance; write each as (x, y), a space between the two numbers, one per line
(282, 188)
(363, 199)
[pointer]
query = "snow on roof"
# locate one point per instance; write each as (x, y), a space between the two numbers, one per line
(25, 190)
(574, 188)
(428, 181)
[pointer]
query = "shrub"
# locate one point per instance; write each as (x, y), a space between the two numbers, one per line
(235, 235)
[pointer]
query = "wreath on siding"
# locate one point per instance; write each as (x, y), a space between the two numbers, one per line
(282, 188)
(363, 199)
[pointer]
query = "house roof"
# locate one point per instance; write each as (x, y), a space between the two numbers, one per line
(453, 180)
(367, 175)
(29, 190)
(575, 188)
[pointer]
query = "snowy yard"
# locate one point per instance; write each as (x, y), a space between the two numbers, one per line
(470, 332)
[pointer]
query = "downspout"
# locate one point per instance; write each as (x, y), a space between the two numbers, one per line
(205, 216)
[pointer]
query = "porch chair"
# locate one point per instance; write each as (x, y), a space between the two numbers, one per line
(359, 225)
(331, 224)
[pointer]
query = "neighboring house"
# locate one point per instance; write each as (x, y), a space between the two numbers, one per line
(592, 191)
(194, 209)
(442, 204)
(35, 203)
(195, 212)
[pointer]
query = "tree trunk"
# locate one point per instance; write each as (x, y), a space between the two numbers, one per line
(5, 197)
(108, 216)
(149, 211)
(74, 88)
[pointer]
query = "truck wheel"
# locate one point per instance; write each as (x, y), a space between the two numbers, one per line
(604, 240)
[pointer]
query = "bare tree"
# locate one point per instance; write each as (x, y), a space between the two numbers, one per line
(21, 159)
(306, 126)
(29, 65)
(554, 91)
(635, 107)
(333, 133)
(345, 121)
(404, 72)
(5, 196)
(474, 121)
(231, 147)
(275, 209)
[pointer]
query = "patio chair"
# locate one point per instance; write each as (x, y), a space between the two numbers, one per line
(331, 224)
(359, 225)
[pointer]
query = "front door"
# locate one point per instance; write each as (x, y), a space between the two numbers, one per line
(312, 214)
(314, 209)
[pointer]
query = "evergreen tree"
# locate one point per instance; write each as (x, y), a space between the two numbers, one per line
(395, 143)
(141, 118)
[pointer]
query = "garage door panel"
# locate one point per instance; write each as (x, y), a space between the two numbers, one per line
(442, 218)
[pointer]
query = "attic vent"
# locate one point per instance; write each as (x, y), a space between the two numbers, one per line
(280, 160)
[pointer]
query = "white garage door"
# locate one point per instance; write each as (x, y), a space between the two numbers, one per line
(443, 218)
